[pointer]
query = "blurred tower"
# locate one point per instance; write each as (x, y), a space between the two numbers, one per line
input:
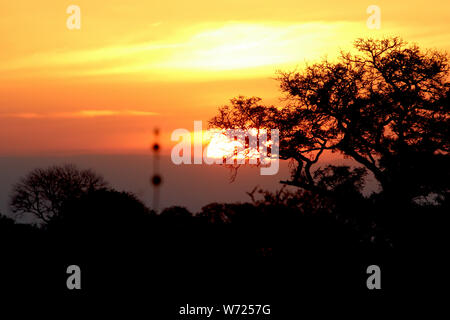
(156, 179)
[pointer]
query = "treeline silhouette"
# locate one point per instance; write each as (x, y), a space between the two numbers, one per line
(302, 240)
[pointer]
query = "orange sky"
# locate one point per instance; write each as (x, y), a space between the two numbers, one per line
(135, 65)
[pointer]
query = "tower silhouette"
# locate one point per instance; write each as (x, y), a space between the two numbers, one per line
(156, 178)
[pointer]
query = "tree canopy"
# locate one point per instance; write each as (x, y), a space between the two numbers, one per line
(43, 192)
(385, 105)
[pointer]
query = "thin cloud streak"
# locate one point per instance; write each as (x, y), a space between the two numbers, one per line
(79, 114)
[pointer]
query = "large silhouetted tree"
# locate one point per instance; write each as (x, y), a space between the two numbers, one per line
(103, 212)
(386, 106)
(244, 113)
(44, 191)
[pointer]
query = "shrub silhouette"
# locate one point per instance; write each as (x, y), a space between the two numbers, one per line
(103, 212)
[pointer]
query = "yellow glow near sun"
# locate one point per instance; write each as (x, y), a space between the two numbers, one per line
(234, 49)
(250, 48)
(221, 146)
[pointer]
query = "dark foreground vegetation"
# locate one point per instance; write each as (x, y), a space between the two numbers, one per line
(279, 246)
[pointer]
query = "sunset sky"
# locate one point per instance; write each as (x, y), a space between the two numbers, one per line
(135, 65)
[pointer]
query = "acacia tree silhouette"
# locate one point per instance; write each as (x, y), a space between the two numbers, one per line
(44, 191)
(386, 107)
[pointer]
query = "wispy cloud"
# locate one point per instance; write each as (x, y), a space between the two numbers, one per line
(206, 47)
(200, 51)
(79, 114)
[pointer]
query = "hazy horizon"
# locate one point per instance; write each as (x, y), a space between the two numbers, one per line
(191, 186)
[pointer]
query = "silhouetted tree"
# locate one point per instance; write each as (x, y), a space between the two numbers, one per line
(103, 211)
(13, 232)
(6, 223)
(43, 192)
(244, 114)
(341, 180)
(175, 212)
(176, 216)
(386, 107)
